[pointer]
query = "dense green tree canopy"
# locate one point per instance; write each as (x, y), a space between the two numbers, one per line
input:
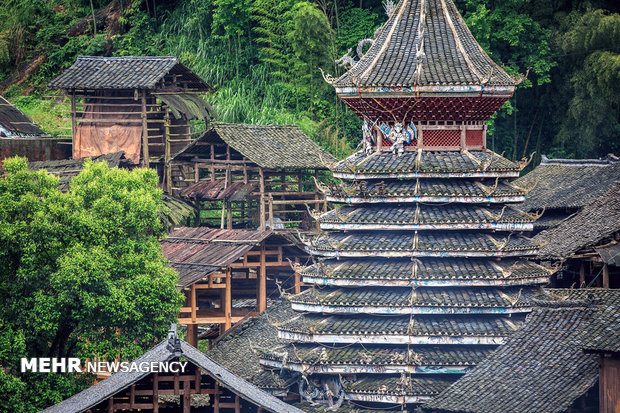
(264, 56)
(81, 273)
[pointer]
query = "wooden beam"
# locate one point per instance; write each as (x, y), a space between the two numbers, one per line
(262, 281)
(582, 275)
(156, 393)
(605, 276)
(145, 132)
(73, 121)
(192, 334)
(228, 300)
(261, 174)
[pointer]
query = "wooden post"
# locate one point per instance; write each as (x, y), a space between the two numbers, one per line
(605, 276)
(272, 223)
(186, 397)
(297, 279)
(73, 122)
(145, 131)
(420, 137)
(229, 218)
(228, 300)
(262, 281)
(237, 404)
(212, 166)
(582, 275)
(216, 398)
(484, 136)
(261, 207)
(155, 393)
(111, 405)
(132, 396)
(167, 166)
(463, 136)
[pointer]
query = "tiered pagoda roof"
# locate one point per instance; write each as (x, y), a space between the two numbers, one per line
(422, 270)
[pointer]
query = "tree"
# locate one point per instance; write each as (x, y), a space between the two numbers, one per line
(81, 273)
(310, 37)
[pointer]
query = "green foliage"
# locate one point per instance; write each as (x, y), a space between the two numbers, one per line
(81, 273)
(593, 110)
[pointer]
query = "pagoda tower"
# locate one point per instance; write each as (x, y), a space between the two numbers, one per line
(421, 271)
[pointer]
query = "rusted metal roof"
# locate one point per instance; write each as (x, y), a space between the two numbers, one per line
(197, 252)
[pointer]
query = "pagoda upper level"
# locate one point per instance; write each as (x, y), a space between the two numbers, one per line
(424, 82)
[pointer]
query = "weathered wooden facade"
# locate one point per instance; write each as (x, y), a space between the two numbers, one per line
(229, 275)
(147, 107)
(586, 246)
(204, 386)
(252, 176)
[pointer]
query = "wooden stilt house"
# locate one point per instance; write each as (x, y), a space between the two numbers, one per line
(252, 176)
(228, 275)
(147, 107)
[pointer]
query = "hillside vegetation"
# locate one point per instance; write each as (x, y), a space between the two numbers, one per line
(263, 58)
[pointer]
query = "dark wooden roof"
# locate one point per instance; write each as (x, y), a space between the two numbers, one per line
(425, 243)
(568, 183)
(602, 333)
(457, 216)
(449, 54)
(197, 252)
(541, 368)
(424, 271)
(16, 123)
(431, 357)
(165, 351)
(362, 165)
(367, 326)
(585, 229)
(463, 300)
(268, 146)
(127, 72)
(418, 388)
(425, 190)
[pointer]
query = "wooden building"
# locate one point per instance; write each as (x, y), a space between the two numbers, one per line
(252, 176)
(543, 366)
(421, 269)
(586, 246)
(19, 135)
(147, 107)
(204, 386)
(229, 275)
(602, 338)
(558, 188)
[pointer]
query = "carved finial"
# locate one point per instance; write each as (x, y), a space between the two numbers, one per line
(297, 267)
(519, 78)
(523, 163)
(347, 61)
(389, 6)
(327, 77)
(314, 213)
(323, 188)
(489, 190)
(360, 47)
